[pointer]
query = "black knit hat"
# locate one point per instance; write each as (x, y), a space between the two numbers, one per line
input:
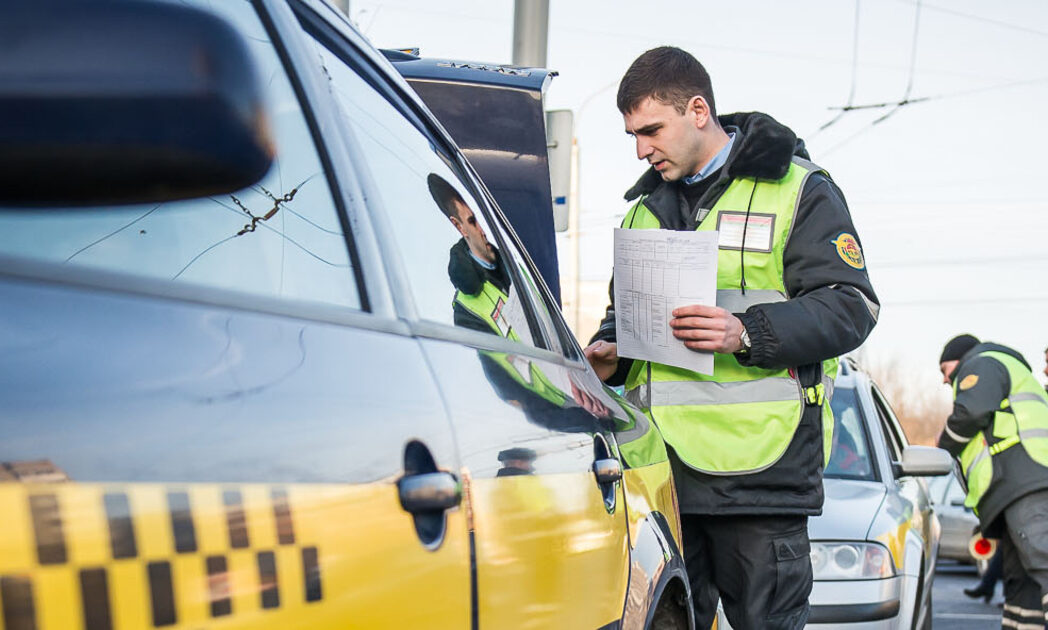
(958, 347)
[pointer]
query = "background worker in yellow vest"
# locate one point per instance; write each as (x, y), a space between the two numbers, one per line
(747, 443)
(999, 431)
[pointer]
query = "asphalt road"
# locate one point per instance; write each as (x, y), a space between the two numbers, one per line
(952, 610)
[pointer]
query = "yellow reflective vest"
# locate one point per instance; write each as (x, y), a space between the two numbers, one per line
(1021, 421)
(740, 419)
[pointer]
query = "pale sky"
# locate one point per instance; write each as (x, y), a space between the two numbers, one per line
(946, 194)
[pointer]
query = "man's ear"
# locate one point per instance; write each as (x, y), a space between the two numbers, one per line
(458, 225)
(701, 110)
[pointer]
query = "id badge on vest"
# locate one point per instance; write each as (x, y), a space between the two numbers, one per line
(758, 229)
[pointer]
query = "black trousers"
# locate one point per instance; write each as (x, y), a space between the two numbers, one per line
(759, 567)
(1025, 549)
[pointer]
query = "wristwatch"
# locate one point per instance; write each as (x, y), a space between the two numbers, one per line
(744, 337)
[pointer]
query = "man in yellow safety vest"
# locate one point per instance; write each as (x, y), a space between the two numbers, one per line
(999, 431)
(748, 443)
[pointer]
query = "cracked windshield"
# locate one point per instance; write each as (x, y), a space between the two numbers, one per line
(279, 238)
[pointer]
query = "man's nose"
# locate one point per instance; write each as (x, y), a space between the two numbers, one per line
(644, 149)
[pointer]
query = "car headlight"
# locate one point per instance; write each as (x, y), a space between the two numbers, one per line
(850, 561)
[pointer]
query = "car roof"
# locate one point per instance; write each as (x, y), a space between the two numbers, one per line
(491, 74)
(848, 373)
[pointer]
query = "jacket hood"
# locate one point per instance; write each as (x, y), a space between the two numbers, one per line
(989, 346)
(763, 149)
(468, 276)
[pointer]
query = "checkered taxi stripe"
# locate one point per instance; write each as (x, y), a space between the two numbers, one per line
(101, 557)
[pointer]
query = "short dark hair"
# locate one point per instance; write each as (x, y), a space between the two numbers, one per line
(445, 195)
(670, 76)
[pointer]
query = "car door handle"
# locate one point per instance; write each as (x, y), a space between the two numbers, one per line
(607, 470)
(429, 492)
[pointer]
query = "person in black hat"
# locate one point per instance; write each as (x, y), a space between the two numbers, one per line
(999, 431)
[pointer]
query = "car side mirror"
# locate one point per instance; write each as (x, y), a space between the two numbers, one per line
(125, 102)
(924, 461)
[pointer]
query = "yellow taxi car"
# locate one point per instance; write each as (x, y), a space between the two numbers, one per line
(248, 378)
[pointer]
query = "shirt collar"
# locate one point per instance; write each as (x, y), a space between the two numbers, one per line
(483, 263)
(714, 164)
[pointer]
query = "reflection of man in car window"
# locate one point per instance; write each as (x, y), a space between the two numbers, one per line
(482, 287)
(846, 458)
(475, 266)
(849, 456)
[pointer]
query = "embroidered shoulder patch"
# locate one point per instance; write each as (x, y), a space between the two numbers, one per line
(849, 251)
(969, 381)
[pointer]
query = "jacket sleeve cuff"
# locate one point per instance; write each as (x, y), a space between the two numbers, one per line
(764, 345)
(623, 370)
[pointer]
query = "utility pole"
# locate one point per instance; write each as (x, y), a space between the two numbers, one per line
(530, 27)
(573, 236)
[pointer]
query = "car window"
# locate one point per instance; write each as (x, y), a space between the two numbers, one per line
(546, 312)
(281, 237)
(896, 437)
(457, 274)
(850, 457)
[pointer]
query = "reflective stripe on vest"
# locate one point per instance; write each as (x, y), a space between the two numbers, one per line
(1021, 420)
(741, 419)
(669, 393)
(734, 301)
(1027, 396)
(1005, 444)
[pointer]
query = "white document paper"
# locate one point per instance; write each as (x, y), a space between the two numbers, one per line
(657, 271)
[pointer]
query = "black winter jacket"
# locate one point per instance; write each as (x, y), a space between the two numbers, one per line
(831, 309)
(1015, 473)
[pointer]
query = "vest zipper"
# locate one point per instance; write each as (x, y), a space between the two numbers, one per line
(742, 250)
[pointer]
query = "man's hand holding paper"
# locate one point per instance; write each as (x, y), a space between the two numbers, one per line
(707, 328)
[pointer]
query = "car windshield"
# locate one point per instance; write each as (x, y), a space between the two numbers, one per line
(850, 457)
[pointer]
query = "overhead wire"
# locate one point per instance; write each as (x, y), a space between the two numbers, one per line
(888, 264)
(973, 300)
(979, 18)
(913, 66)
(906, 95)
(854, 75)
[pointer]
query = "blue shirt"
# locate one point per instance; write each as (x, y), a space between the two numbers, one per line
(483, 263)
(714, 164)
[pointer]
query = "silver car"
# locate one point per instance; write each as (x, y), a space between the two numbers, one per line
(959, 523)
(874, 548)
(875, 545)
